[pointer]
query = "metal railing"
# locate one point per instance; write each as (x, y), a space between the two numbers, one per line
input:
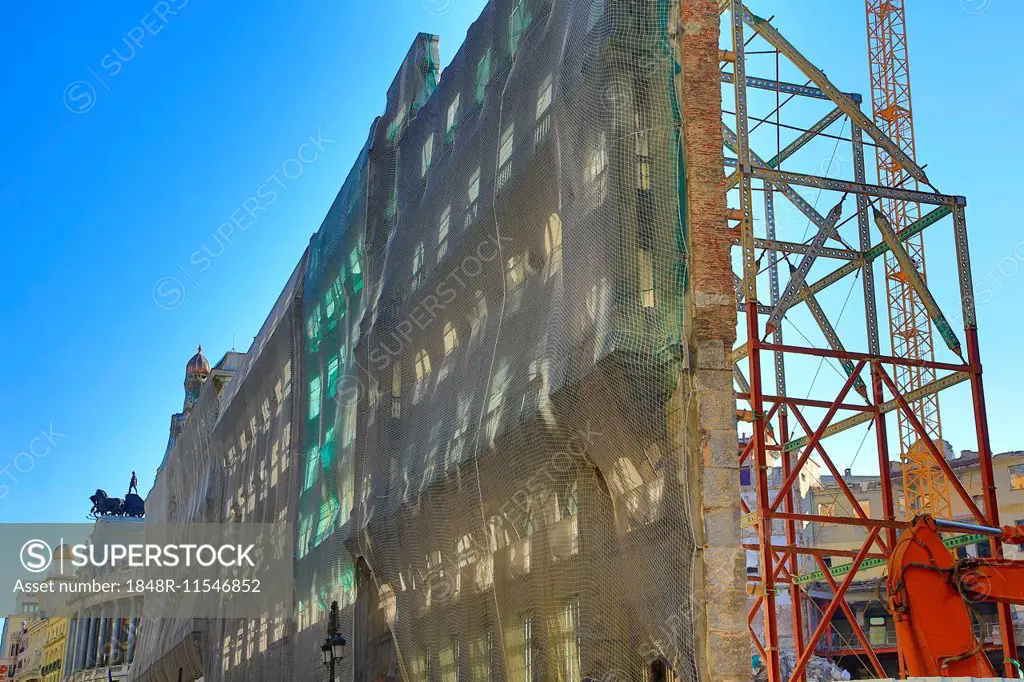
(840, 638)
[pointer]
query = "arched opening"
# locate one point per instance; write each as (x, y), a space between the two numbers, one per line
(660, 672)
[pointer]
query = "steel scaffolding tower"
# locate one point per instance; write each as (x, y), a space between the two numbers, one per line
(797, 145)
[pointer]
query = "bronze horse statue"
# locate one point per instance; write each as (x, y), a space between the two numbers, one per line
(104, 505)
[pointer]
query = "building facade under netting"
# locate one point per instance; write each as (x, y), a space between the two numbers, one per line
(473, 399)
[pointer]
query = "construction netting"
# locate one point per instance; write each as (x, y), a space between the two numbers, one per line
(333, 304)
(520, 514)
(186, 490)
(489, 472)
(231, 463)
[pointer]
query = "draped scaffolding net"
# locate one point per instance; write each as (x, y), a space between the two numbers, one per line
(478, 439)
(513, 453)
(186, 489)
(231, 463)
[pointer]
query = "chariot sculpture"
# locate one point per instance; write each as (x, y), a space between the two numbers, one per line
(132, 505)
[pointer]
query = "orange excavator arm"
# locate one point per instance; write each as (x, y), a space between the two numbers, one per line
(988, 580)
(929, 593)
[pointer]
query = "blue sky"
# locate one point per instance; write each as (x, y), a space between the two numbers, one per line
(120, 164)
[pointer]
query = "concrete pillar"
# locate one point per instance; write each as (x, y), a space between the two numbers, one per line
(133, 629)
(89, 653)
(83, 626)
(83, 657)
(69, 651)
(126, 626)
(705, 404)
(94, 633)
(115, 633)
(101, 634)
(71, 661)
(108, 633)
(127, 633)
(68, 642)
(111, 647)
(83, 629)
(110, 644)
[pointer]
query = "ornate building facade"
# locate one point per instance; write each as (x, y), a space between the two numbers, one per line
(103, 628)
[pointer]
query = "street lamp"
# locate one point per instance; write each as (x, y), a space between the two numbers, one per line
(333, 648)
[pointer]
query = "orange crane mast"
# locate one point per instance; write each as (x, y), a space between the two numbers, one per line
(926, 489)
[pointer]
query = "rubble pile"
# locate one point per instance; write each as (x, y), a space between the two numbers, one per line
(818, 669)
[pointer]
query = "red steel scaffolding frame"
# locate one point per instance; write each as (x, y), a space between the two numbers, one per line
(788, 430)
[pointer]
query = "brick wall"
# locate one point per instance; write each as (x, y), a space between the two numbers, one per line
(709, 411)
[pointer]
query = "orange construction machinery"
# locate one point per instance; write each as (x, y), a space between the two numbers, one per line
(930, 595)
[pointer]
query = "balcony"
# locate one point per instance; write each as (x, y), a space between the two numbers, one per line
(540, 133)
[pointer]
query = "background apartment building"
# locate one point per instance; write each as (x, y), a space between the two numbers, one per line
(102, 628)
(53, 649)
(821, 495)
(30, 640)
(26, 610)
(803, 498)
(872, 617)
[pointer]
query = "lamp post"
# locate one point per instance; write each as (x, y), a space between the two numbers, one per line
(333, 648)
